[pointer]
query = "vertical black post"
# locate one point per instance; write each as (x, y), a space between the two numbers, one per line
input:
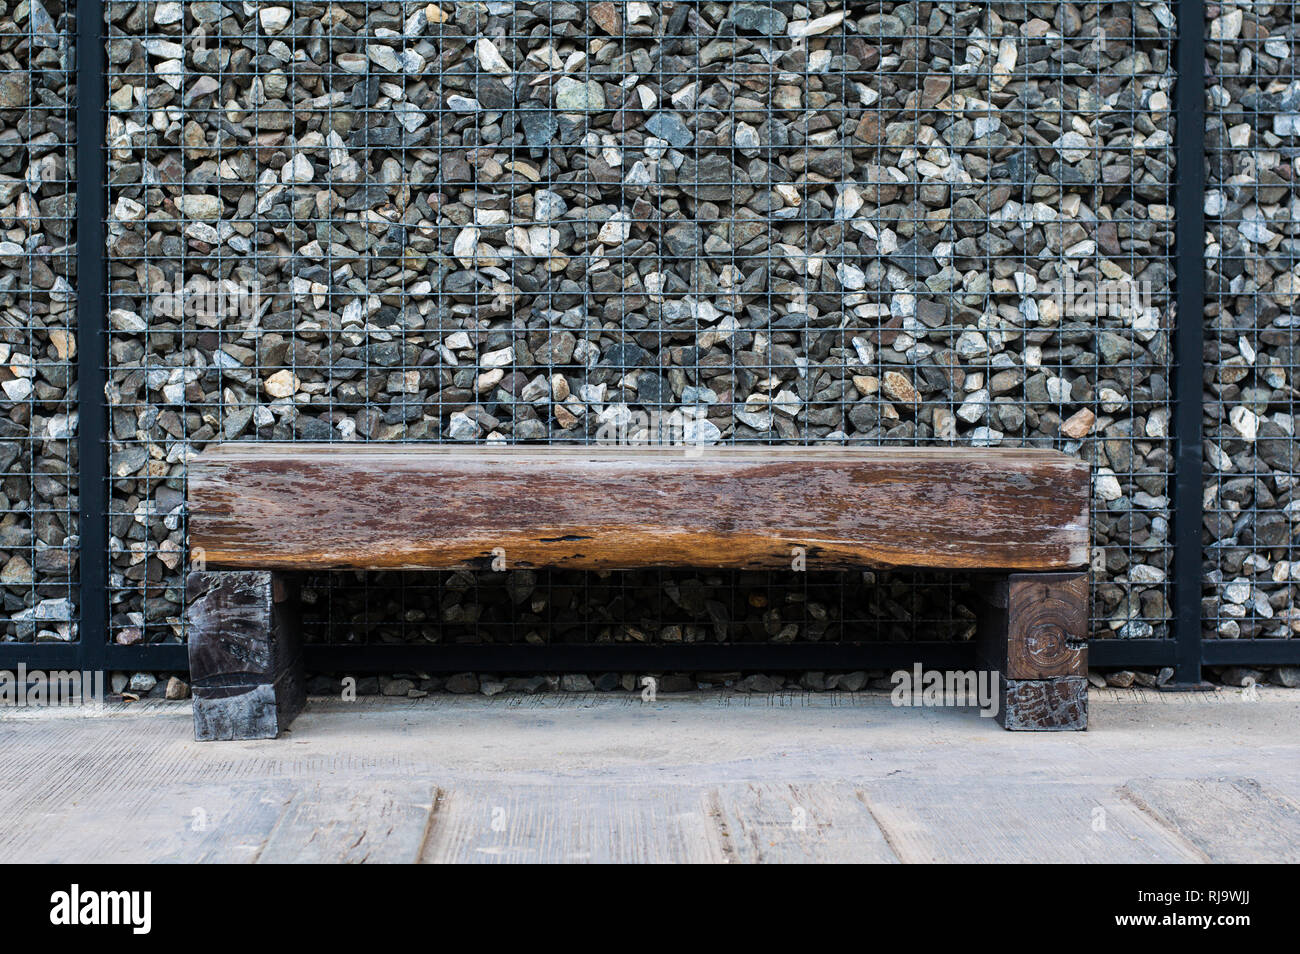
(92, 292)
(1189, 336)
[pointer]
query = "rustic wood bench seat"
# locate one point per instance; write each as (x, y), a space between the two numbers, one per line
(259, 511)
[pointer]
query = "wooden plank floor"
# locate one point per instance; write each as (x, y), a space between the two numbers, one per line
(694, 778)
(574, 822)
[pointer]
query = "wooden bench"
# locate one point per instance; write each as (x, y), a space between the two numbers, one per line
(259, 511)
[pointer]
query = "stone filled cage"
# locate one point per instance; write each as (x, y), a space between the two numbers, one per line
(899, 223)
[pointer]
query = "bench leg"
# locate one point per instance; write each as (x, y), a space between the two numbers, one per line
(245, 651)
(1035, 635)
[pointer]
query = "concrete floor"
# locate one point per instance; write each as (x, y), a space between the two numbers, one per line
(718, 777)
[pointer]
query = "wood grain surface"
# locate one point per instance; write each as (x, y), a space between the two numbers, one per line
(1035, 625)
(344, 506)
(1047, 625)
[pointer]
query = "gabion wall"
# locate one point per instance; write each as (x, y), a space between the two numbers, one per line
(538, 221)
(1253, 282)
(38, 346)
(550, 222)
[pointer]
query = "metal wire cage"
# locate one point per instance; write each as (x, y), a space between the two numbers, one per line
(571, 222)
(38, 348)
(907, 223)
(1251, 267)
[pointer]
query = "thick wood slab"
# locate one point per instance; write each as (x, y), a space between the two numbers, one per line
(1034, 633)
(298, 506)
(1036, 625)
(245, 649)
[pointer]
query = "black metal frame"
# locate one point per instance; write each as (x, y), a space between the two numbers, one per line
(92, 651)
(1189, 340)
(1187, 652)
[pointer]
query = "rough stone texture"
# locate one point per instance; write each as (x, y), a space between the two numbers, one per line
(834, 229)
(464, 229)
(38, 345)
(1252, 566)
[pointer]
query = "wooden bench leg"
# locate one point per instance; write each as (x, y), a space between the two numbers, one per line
(1035, 635)
(245, 652)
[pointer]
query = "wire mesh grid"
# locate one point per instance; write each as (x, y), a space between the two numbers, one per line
(882, 223)
(38, 412)
(1252, 282)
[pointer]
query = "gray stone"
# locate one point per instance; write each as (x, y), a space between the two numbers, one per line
(624, 355)
(715, 179)
(913, 258)
(578, 96)
(462, 683)
(669, 126)
(684, 240)
(539, 126)
(758, 18)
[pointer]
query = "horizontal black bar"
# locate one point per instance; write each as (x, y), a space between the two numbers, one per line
(633, 657)
(1102, 654)
(171, 657)
(41, 655)
(1251, 652)
(168, 656)
(1121, 653)
(1114, 653)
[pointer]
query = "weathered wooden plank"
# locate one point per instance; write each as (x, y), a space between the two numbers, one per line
(1008, 819)
(804, 822)
(245, 651)
(1226, 821)
(220, 823)
(586, 822)
(391, 506)
(116, 820)
(376, 823)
